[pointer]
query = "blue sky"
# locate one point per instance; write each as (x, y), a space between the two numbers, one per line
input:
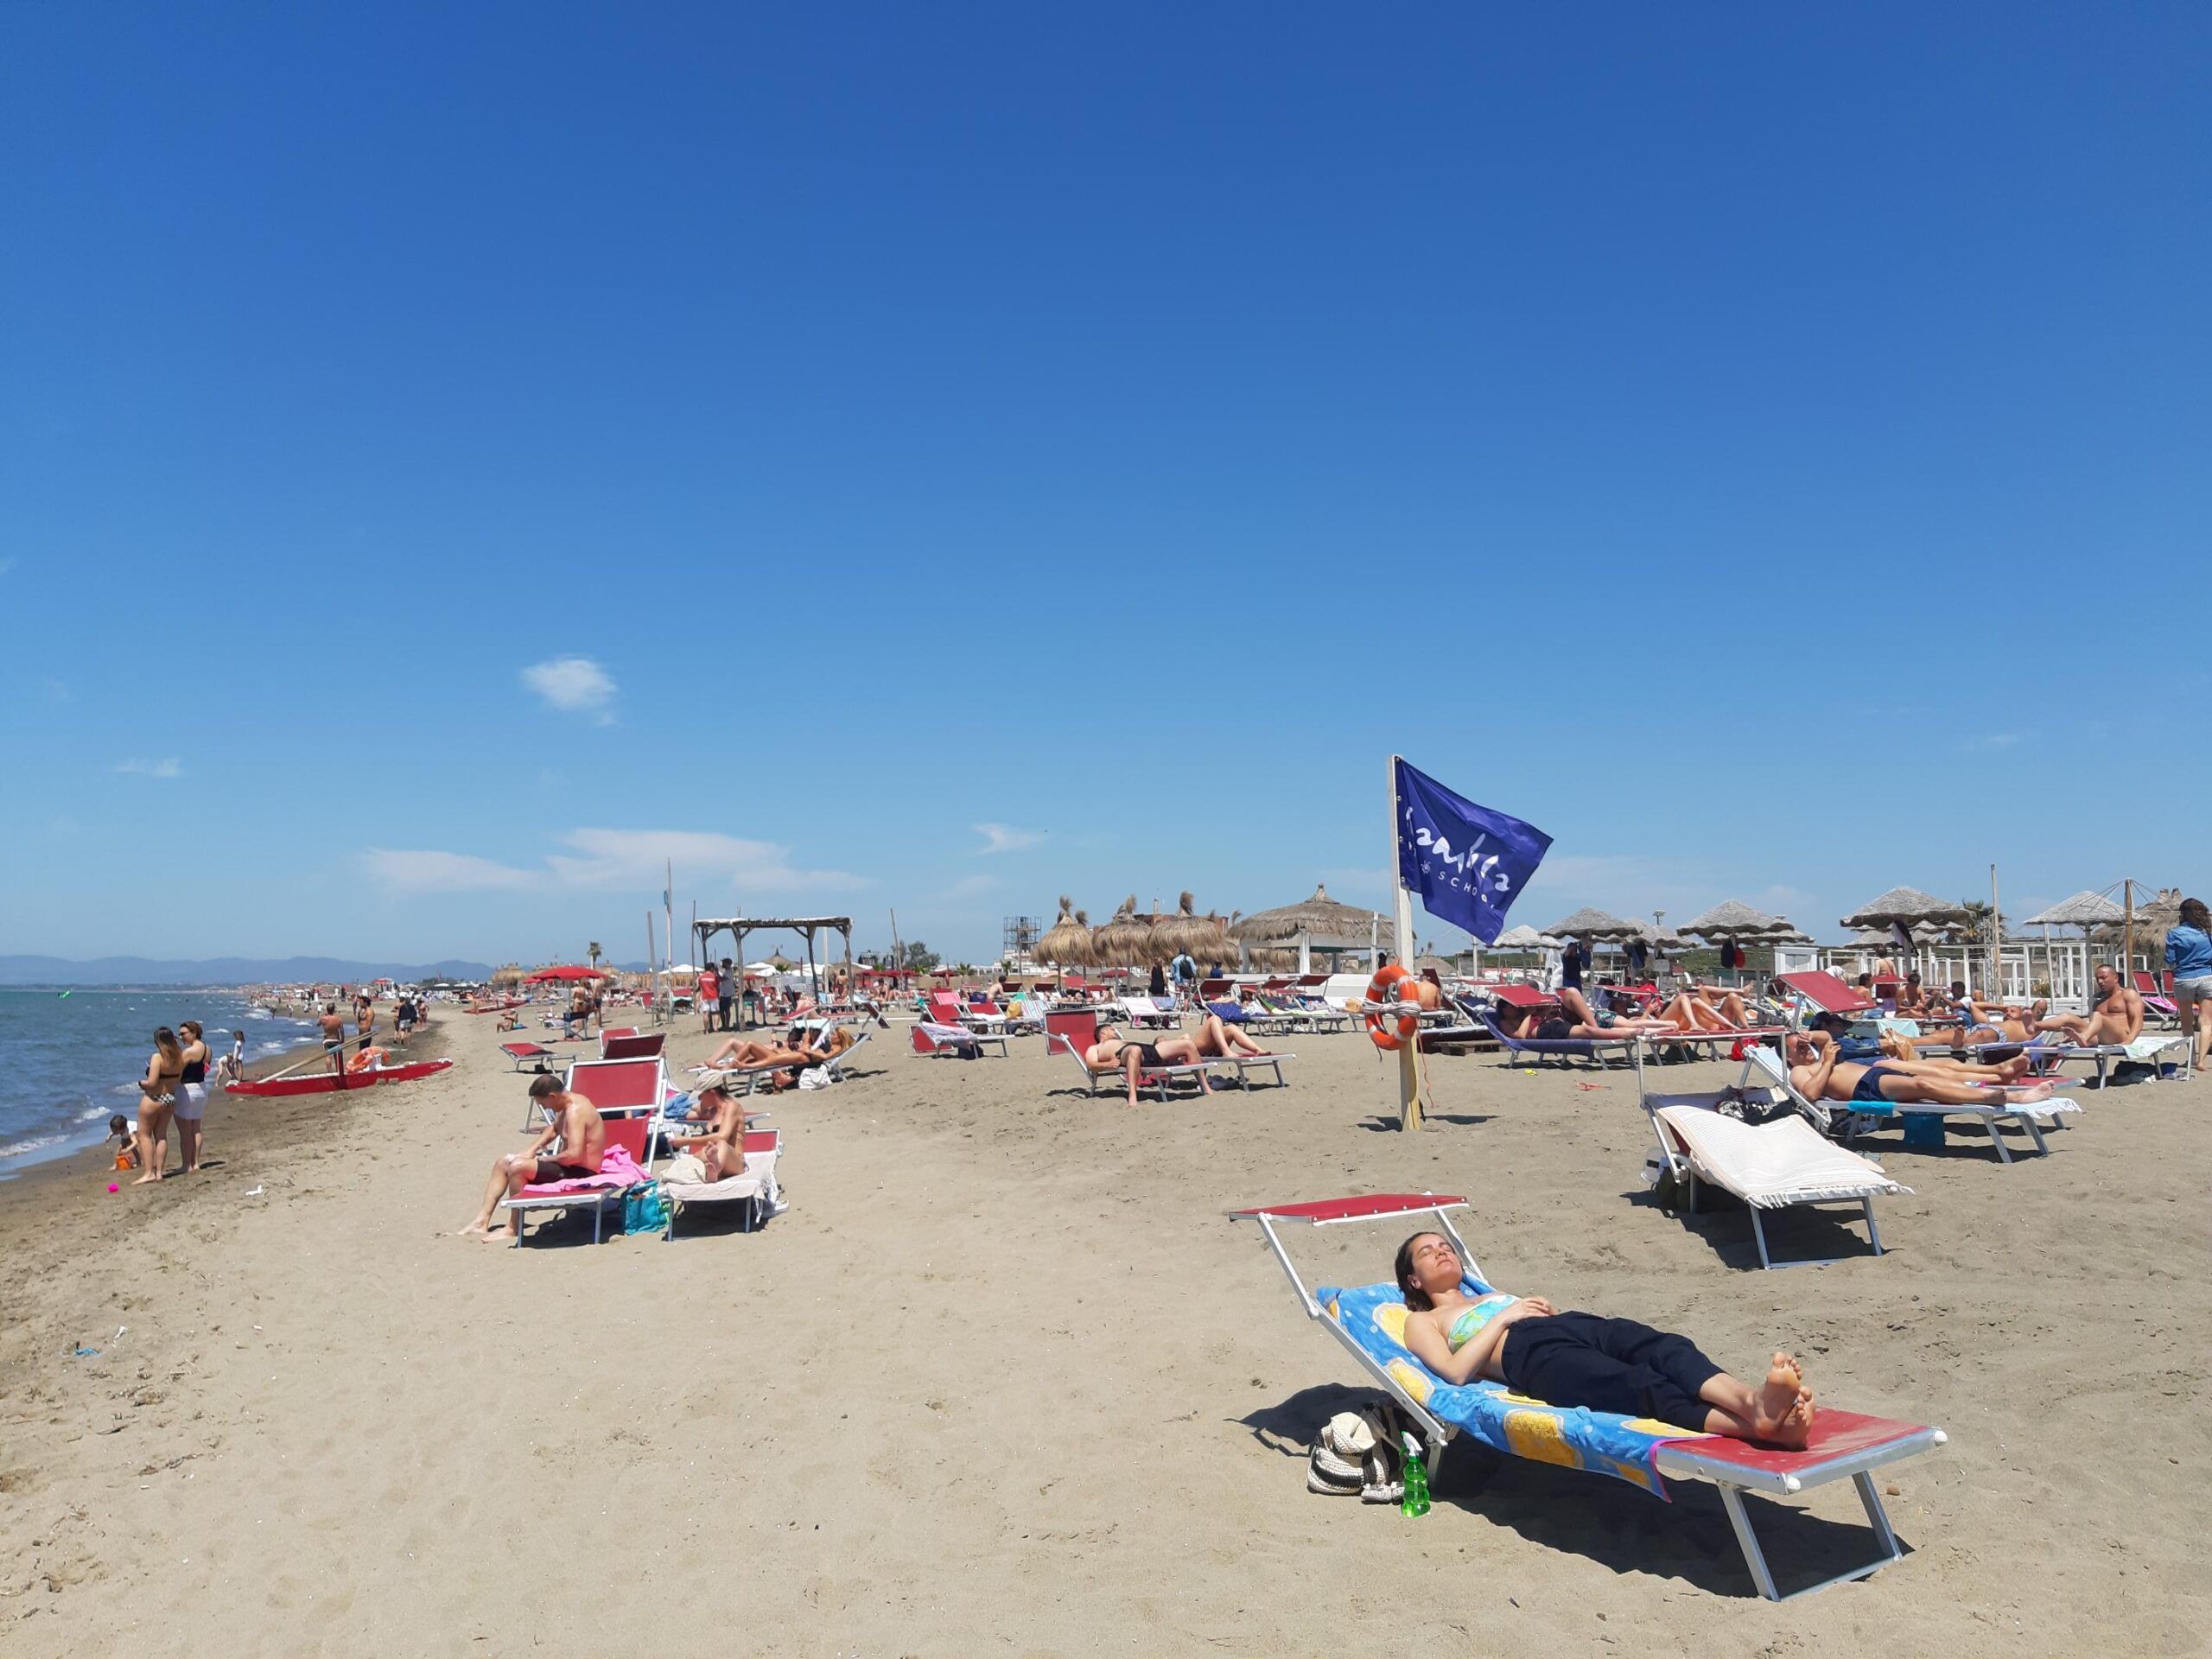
(942, 457)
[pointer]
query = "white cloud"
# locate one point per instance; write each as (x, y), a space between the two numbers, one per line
(971, 887)
(600, 860)
(171, 767)
(575, 683)
(56, 690)
(631, 858)
(6, 565)
(2002, 740)
(434, 871)
(1005, 838)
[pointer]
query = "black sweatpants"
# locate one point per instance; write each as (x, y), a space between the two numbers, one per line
(1616, 1365)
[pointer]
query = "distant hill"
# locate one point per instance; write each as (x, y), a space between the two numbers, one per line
(225, 971)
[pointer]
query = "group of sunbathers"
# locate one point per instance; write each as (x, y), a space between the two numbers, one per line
(1212, 1038)
(786, 1058)
(1696, 1011)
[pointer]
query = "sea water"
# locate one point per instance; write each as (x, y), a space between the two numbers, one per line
(68, 1064)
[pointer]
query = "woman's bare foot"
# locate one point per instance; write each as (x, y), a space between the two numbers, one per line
(1771, 1400)
(2027, 1094)
(1797, 1422)
(148, 1180)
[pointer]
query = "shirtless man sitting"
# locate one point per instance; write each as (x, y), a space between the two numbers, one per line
(1817, 1074)
(581, 1136)
(2116, 1016)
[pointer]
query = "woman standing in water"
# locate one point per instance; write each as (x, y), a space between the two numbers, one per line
(156, 1097)
(191, 1095)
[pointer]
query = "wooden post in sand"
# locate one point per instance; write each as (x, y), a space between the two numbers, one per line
(1996, 939)
(1408, 1076)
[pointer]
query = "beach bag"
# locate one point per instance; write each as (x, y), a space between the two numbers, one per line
(643, 1209)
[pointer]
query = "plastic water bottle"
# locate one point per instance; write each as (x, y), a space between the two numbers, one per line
(1416, 1499)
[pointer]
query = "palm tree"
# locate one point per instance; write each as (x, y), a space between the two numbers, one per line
(591, 950)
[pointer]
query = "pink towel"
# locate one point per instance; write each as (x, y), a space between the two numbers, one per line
(616, 1170)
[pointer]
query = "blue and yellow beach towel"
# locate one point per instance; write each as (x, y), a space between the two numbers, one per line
(1374, 1316)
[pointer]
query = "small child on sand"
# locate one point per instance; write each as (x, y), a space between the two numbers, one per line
(126, 1152)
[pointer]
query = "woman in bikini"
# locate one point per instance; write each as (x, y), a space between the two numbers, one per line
(156, 1099)
(1113, 1051)
(721, 1149)
(1218, 1039)
(191, 1095)
(1581, 1359)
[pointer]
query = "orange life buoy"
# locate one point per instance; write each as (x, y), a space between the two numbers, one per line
(364, 1059)
(1379, 996)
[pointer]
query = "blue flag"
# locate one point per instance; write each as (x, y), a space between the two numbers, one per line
(1467, 862)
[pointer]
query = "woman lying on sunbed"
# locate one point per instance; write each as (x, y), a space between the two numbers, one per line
(1581, 1359)
(1218, 1039)
(1114, 1053)
(745, 1054)
(722, 1148)
(1816, 1073)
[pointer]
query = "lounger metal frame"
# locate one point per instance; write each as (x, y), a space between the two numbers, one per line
(1153, 1078)
(1679, 1460)
(1855, 1123)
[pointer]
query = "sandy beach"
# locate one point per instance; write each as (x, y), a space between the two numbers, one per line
(1005, 1379)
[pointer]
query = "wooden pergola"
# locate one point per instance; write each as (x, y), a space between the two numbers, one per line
(807, 926)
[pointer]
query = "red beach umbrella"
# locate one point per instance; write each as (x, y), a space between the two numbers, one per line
(570, 970)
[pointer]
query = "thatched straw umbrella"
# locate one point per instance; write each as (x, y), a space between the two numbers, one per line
(1590, 923)
(1319, 923)
(509, 975)
(1181, 930)
(1910, 907)
(2082, 910)
(1125, 942)
(1067, 943)
(1731, 918)
(1203, 939)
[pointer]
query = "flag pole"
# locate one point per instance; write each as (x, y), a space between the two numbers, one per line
(1409, 1077)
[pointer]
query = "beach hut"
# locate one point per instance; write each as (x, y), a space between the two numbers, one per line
(1319, 923)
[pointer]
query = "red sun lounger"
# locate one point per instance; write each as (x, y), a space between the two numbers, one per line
(618, 1088)
(628, 1134)
(1828, 993)
(630, 1044)
(529, 1056)
(1843, 1444)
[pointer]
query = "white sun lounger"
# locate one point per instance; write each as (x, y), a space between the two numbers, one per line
(2144, 1050)
(1777, 1164)
(1861, 1116)
(1143, 1011)
(755, 1191)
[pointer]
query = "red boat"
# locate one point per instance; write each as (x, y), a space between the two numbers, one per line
(323, 1083)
